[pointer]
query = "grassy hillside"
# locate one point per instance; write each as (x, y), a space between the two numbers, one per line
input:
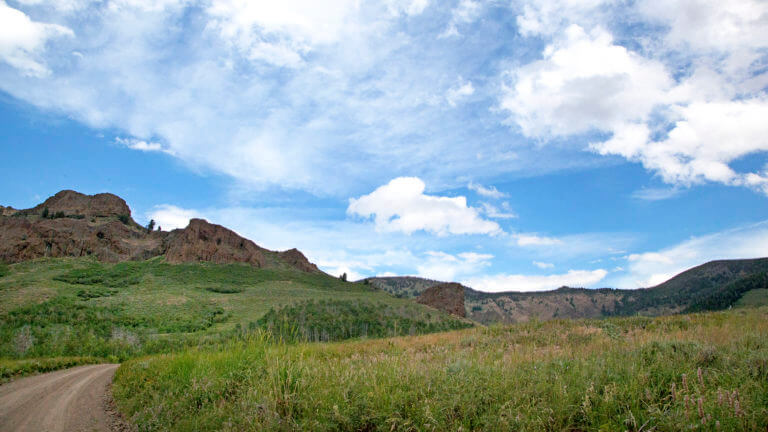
(80, 307)
(685, 372)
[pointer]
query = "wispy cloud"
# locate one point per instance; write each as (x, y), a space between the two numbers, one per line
(521, 282)
(486, 191)
(652, 268)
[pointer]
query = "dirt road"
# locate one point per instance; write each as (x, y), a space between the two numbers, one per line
(66, 400)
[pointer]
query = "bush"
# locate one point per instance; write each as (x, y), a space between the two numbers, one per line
(125, 219)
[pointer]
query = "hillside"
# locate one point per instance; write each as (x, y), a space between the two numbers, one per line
(86, 281)
(60, 307)
(712, 286)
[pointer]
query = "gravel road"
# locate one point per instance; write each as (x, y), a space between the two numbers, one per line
(66, 400)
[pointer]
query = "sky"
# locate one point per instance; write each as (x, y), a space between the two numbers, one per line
(508, 145)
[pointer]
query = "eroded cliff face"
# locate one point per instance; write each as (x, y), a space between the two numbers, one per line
(447, 297)
(71, 224)
(204, 241)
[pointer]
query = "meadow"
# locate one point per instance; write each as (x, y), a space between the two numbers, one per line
(81, 308)
(706, 371)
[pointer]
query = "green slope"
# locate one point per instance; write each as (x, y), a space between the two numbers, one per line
(81, 307)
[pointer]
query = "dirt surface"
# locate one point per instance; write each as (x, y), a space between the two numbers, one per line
(66, 400)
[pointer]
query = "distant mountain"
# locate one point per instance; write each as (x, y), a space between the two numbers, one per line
(711, 286)
(72, 224)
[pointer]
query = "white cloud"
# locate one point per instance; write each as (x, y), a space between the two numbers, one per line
(462, 91)
(465, 12)
(587, 83)
(652, 268)
(518, 282)
(656, 194)
(543, 265)
(547, 17)
(528, 239)
(584, 82)
(695, 150)
(447, 267)
(141, 145)
(711, 24)
(409, 7)
(22, 40)
(489, 192)
(495, 213)
(170, 217)
(401, 205)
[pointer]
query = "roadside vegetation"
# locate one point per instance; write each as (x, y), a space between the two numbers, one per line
(686, 372)
(11, 369)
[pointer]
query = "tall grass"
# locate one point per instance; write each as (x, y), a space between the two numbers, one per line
(698, 372)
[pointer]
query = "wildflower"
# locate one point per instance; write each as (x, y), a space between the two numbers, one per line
(701, 377)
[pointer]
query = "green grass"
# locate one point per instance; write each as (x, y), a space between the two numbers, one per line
(628, 374)
(335, 320)
(754, 298)
(80, 307)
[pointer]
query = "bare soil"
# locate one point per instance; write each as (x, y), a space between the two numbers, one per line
(66, 400)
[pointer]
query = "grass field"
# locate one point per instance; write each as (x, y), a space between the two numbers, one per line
(688, 372)
(71, 307)
(223, 347)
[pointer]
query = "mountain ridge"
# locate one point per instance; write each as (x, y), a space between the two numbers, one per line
(713, 285)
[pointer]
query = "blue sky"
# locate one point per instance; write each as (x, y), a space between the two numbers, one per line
(515, 145)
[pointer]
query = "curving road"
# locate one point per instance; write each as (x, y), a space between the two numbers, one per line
(67, 400)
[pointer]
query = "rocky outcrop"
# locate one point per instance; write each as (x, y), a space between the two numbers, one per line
(100, 225)
(22, 239)
(204, 241)
(447, 297)
(73, 203)
(7, 211)
(294, 258)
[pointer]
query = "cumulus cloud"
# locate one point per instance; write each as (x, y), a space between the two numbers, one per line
(447, 267)
(584, 82)
(22, 40)
(519, 282)
(543, 265)
(652, 268)
(676, 128)
(402, 205)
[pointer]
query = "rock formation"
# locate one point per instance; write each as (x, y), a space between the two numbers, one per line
(71, 224)
(295, 258)
(70, 202)
(203, 241)
(447, 297)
